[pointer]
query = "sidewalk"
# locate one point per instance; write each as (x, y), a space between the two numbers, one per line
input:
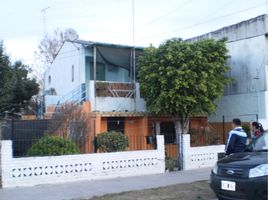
(88, 189)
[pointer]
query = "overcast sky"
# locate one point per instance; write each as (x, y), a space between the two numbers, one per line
(22, 25)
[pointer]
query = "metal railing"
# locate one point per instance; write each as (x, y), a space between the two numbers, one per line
(76, 96)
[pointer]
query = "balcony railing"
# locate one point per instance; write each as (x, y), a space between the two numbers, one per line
(113, 89)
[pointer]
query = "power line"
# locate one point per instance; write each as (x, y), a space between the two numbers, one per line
(154, 20)
(226, 4)
(175, 30)
(204, 22)
(165, 15)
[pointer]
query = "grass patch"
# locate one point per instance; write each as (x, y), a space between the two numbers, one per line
(192, 191)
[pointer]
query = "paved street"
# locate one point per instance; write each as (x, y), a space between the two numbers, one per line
(88, 189)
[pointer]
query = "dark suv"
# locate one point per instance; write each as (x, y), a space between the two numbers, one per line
(243, 175)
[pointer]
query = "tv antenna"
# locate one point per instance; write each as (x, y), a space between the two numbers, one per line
(44, 12)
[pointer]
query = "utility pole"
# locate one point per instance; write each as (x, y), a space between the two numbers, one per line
(44, 12)
(134, 52)
(266, 2)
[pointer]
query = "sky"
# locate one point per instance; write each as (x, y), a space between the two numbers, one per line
(111, 21)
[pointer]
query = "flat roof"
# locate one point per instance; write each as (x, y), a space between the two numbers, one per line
(92, 43)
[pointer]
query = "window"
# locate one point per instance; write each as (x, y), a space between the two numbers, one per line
(116, 124)
(49, 79)
(72, 73)
(168, 130)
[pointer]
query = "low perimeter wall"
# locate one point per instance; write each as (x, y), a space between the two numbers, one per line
(198, 157)
(32, 171)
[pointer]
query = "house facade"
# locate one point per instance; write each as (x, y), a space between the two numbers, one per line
(101, 78)
(246, 97)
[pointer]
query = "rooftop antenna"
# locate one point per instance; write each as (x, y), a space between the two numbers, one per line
(44, 12)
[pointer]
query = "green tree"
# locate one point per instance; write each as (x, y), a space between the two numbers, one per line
(24, 88)
(16, 88)
(6, 79)
(183, 79)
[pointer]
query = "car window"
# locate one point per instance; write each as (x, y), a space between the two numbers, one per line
(261, 143)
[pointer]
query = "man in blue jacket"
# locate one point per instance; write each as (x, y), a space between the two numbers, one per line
(237, 138)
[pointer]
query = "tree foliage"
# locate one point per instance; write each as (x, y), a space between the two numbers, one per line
(6, 79)
(183, 79)
(16, 88)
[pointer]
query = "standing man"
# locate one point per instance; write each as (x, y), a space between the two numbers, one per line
(237, 138)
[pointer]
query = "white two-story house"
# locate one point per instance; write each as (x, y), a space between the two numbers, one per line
(100, 73)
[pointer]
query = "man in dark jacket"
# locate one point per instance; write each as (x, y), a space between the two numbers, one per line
(237, 138)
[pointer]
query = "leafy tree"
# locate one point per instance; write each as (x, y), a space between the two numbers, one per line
(24, 88)
(6, 79)
(16, 89)
(183, 79)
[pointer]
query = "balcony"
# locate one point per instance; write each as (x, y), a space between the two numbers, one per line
(115, 96)
(112, 89)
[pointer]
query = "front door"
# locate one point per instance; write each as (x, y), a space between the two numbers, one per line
(116, 124)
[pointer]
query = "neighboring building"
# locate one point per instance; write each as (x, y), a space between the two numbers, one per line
(111, 95)
(246, 97)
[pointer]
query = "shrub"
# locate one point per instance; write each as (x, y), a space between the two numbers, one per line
(111, 141)
(53, 146)
(170, 164)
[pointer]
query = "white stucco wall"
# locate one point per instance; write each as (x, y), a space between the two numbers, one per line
(247, 61)
(244, 106)
(61, 69)
(248, 49)
(199, 157)
(246, 96)
(32, 171)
